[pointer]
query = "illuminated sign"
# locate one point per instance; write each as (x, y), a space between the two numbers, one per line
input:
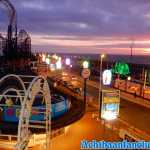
(110, 104)
(68, 61)
(107, 77)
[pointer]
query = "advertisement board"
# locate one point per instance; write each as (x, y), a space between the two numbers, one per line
(110, 104)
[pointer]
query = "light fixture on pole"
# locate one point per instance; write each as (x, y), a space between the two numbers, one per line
(102, 56)
(85, 75)
(129, 78)
(85, 64)
(145, 79)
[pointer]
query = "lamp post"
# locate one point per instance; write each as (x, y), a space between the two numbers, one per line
(85, 75)
(144, 84)
(85, 64)
(145, 77)
(102, 56)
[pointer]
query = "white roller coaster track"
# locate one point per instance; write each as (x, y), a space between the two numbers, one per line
(38, 84)
(16, 77)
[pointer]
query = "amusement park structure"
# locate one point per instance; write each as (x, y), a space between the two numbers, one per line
(18, 92)
(11, 97)
(28, 110)
(14, 47)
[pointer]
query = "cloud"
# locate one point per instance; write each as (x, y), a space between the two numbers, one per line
(85, 19)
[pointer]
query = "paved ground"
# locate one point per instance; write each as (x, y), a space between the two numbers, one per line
(134, 114)
(89, 128)
(86, 128)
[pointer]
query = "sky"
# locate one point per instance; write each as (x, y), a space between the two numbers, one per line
(84, 26)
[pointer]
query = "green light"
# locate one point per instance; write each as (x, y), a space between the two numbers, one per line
(121, 68)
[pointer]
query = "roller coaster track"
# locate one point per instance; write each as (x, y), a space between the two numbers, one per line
(30, 86)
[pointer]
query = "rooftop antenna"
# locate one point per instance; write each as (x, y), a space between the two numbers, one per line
(131, 50)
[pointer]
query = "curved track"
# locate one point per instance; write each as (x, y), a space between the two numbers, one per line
(26, 88)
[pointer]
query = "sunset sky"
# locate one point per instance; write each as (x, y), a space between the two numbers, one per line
(84, 26)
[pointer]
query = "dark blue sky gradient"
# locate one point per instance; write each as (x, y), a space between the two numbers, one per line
(99, 22)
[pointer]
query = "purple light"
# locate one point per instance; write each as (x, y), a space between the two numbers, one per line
(68, 61)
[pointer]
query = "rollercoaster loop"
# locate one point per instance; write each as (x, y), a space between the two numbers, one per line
(30, 87)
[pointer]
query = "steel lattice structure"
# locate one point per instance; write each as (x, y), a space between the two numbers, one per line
(14, 47)
(12, 27)
(11, 12)
(24, 44)
(27, 97)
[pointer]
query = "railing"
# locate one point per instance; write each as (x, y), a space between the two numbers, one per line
(134, 88)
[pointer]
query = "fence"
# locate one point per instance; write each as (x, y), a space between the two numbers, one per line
(134, 88)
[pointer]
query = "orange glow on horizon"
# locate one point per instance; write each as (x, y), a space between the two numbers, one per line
(104, 44)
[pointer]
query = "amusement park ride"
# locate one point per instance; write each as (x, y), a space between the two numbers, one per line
(18, 93)
(18, 110)
(28, 109)
(16, 47)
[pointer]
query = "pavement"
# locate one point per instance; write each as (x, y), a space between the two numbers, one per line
(134, 111)
(133, 115)
(87, 128)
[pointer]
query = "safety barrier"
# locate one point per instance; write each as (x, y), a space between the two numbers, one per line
(134, 88)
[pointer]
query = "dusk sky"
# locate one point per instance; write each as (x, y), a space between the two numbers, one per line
(84, 26)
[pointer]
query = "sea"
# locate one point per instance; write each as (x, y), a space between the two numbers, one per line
(134, 59)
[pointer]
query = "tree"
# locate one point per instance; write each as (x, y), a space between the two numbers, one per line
(121, 68)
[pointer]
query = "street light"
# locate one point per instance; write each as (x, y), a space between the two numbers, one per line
(129, 78)
(85, 64)
(102, 56)
(101, 65)
(85, 75)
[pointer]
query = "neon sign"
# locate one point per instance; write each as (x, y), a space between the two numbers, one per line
(107, 77)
